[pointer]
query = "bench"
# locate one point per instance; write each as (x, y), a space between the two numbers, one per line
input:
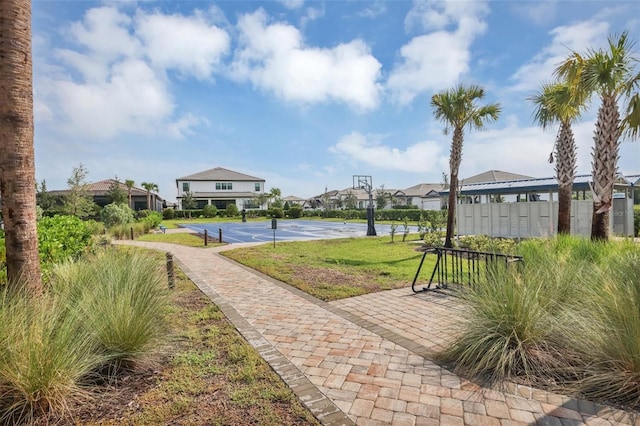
(163, 229)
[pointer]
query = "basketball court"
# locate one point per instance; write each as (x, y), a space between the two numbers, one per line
(289, 230)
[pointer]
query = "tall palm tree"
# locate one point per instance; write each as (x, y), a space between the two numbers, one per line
(149, 186)
(129, 183)
(555, 103)
(613, 75)
(457, 108)
(17, 164)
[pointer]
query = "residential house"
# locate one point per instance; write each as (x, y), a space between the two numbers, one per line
(221, 187)
(99, 191)
(425, 196)
(294, 201)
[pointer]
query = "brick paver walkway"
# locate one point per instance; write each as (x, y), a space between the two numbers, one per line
(362, 360)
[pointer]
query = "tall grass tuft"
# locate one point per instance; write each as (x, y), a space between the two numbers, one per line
(569, 319)
(46, 355)
(123, 305)
(611, 348)
(508, 333)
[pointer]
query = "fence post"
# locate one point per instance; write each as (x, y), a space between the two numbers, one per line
(131, 229)
(171, 276)
(206, 237)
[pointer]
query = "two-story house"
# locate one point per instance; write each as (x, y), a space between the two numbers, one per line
(221, 187)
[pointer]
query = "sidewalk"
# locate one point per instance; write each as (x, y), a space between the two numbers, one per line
(362, 360)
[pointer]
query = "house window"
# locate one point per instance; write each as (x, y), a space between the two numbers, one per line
(185, 186)
(224, 186)
(257, 188)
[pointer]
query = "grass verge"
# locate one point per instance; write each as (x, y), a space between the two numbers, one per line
(208, 375)
(335, 269)
(185, 239)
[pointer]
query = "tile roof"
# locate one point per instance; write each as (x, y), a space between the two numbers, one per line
(221, 174)
(420, 190)
(102, 187)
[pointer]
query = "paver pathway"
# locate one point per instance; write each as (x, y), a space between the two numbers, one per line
(361, 360)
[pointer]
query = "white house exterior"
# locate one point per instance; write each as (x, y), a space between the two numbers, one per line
(424, 196)
(221, 187)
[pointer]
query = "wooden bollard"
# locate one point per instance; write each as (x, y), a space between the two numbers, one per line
(220, 235)
(131, 232)
(206, 238)
(171, 276)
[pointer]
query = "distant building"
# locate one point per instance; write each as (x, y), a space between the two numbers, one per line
(99, 191)
(221, 187)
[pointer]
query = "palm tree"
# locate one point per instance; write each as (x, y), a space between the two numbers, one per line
(614, 77)
(555, 103)
(17, 164)
(149, 186)
(130, 185)
(457, 109)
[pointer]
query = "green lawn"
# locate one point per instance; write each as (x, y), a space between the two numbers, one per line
(185, 239)
(335, 269)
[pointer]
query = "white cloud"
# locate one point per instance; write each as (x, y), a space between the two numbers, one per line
(132, 100)
(183, 126)
(188, 44)
(115, 79)
(274, 58)
(291, 4)
(436, 60)
(373, 11)
(565, 39)
(419, 158)
(312, 13)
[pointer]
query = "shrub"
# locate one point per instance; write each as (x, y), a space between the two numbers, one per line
(636, 222)
(276, 212)
(123, 232)
(116, 214)
(434, 239)
(47, 354)
(96, 228)
(168, 214)
(209, 210)
(152, 220)
(295, 212)
(123, 302)
(232, 210)
(61, 237)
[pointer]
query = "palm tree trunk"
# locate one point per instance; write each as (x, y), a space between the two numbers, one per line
(148, 199)
(565, 173)
(564, 209)
(17, 168)
(454, 166)
(605, 160)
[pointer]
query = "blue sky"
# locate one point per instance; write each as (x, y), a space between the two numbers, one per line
(304, 94)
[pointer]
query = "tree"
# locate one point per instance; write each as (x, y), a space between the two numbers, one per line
(116, 194)
(382, 197)
(275, 197)
(613, 75)
(78, 202)
(17, 163)
(350, 200)
(188, 203)
(262, 199)
(150, 186)
(555, 103)
(45, 200)
(457, 109)
(129, 183)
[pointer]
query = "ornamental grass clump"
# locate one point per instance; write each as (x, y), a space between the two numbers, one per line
(610, 347)
(509, 332)
(124, 306)
(567, 320)
(46, 355)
